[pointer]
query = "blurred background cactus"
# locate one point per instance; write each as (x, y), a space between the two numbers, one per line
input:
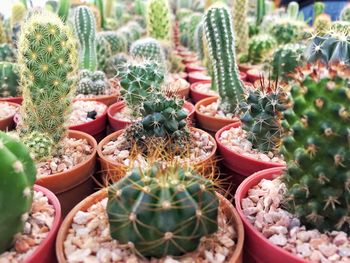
(7, 53)
(148, 48)
(260, 49)
(240, 8)
(9, 86)
(92, 82)
(345, 13)
(158, 19)
(116, 40)
(63, 9)
(103, 52)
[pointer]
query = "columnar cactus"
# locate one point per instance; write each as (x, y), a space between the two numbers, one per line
(117, 41)
(260, 11)
(162, 211)
(260, 48)
(293, 10)
(7, 53)
(85, 30)
(104, 52)
(322, 24)
(148, 48)
(194, 20)
(221, 44)
(114, 63)
(345, 13)
(92, 82)
(319, 8)
(109, 8)
(158, 19)
(3, 37)
(100, 6)
(199, 40)
(286, 31)
(317, 150)
(240, 8)
(47, 62)
(17, 177)
(8, 79)
(63, 9)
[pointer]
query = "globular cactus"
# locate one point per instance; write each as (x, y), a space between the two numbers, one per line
(260, 48)
(17, 177)
(319, 8)
(162, 211)
(63, 9)
(286, 59)
(47, 59)
(116, 41)
(7, 53)
(158, 19)
(85, 30)
(241, 27)
(104, 52)
(317, 149)
(261, 116)
(18, 13)
(322, 24)
(39, 144)
(9, 86)
(286, 31)
(221, 44)
(345, 13)
(340, 26)
(114, 63)
(148, 48)
(136, 29)
(293, 10)
(92, 82)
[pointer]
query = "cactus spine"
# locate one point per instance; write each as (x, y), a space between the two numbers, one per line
(100, 6)
(158, 19)
(47, 65)
(8, 79)
(17, 177)
(322, 24)
(240, 8)
(85, 29)
(221, 43)
(148, 48)
(63, 9)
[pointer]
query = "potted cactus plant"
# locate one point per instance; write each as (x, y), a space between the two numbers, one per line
(23, 237)
(178, 216)
(309, 200)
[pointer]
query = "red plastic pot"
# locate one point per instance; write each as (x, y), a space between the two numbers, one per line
(198, 76)
(192, 67)
(197, 95)
(17, 100)
(244, 67)
(9, 123)
(238, 163)
(254, 75)
(45, 252)
(257, 248)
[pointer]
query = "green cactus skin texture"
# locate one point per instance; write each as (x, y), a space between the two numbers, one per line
(39, 144)
(158, 19)
(7, 53)
(63, 9)
(85, 30)
(319, 8)
(92, 82)
(322, 24)
(260, 48)
(3, 37)
(18, 13)
(117, 41)
(47, 59)
(17, 173)
(285, 60)
(260, 11)
(240, 8)
(100, 6)
(317, 150)
(221, 44)
(162, 212)
(285, 31)
(109, 8)
(104, 51)
(261, 117)
(293, 10)
(148, 48)
(199, 40)
(194, 20)
(345, 13)
(9, 86)
(114, 63)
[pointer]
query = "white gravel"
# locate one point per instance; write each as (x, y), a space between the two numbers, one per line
(206, 89)
(214, 111)
(81, 109)
(7, 110)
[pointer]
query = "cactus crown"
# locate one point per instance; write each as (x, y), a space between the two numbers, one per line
(317, 149)
(47, 64)
(92, 82)
(162, 211)
(8, 79)
(221, 43)
(319, 8)
(260, 48)
(158, 19)
(103, 50)
(148, 48)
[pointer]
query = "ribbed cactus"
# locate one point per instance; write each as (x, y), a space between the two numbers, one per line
(317, 150)
(199, 40)
(139, 8)
(109, 8)
(240, 8)
(18, 13)
(148, 48)
(158, 19)
(63, 9)
(9, 86)
(260, 11)
(286, 59)
(85, 30)
(221, 43)
(345, 13)
(117, 41)
(260, 48)
(293, 10)
(3, 37)
(319, 8)
(194, 20)
(17, 177)
(286, 31)
(322, 24)
(92, 82)
(103, 50)
(47, 64)
(114, 63)
(7, 53)
(162, 211)
(100, 6)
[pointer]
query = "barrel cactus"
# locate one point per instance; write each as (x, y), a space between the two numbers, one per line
(162, 211)
(260, 48)
(9, 86)
(286, 31)
(92, 82)
(17, 177)
(317, 149)
(158, 19)
(117, 41)
(148, 48)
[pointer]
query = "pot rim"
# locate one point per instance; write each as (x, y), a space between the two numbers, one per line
(10, 116)
(212, 118)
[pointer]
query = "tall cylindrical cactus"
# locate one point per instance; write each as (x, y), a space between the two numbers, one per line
(8, 79)
(17, 177)
(199, 40)
(221, 43)
(293, 10)
(63, 9)
(100, 7)
(260, 11)
(158, 19)
(47, 62)
(241, 26)
(85, 29)
(109, 8)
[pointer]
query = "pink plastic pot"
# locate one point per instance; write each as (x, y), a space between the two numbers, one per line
(192, 67)
(17, 100)
(197, 95)
(45, 252)
(254, 75)
(238, 163)
(257, 248)
(198, 76)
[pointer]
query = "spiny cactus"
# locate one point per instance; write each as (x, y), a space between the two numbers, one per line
(322, 24)
(260, 48)
(116, 41)
(286, 59)
(319, 8)
(7, 53)
(104, 52)
(39, 144)
(47, 64)
(92, 82)
(18, 13)
(148, 48)
(17, 177)
(194, 20)
(345, 13)
(63, 9)
(139, 8)
(221, 43)
(158, 19)
(293, 10)
(9, 86)
(114, 63)
(97, 16)
(162, 211)
(85, 29)
(240, 8)
(317, 149)
(286, 31)
(199, 40)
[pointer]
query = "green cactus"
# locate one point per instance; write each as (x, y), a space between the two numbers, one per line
(7, 53)
(100, 6)
(317, 149)
(286, 59)
(103, 50)
(221, 44)
(3, 37)
(260, 48)
(293, 10)
(9, 86)
(319, 8)
(115, 62)
(345, 13)
(260, 11)
(47, 64)
(199, 40)
(17, 173)
(116, 41)
(63, 9)
(39, 144)
(286, 31)
(183, 13)
(184, 4)
(322, 24)
(109, 8)
(148, 48)
(241, 27)
(162, 211)
(158, 19)
(194, 20)
(92, 82)
(85, 30)
(18, 13)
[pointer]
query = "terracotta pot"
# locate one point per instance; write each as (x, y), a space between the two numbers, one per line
(96, 128)
(8, 123)
(73, 185)
(209, 123)
(45, 252)
(197, 95)
(239, 163)
(113, 170)
(17, 100)
(192, 67)
(198, 76)
(118, 124)
(256, 247)
(254, 75)
(84, 205)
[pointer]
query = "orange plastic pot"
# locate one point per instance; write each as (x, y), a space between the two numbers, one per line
(192, 67)
(198, 76)
(73, 185)
(17, 100)
(197, 95)
(210, 123)
(227, 207)
(8, 123)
